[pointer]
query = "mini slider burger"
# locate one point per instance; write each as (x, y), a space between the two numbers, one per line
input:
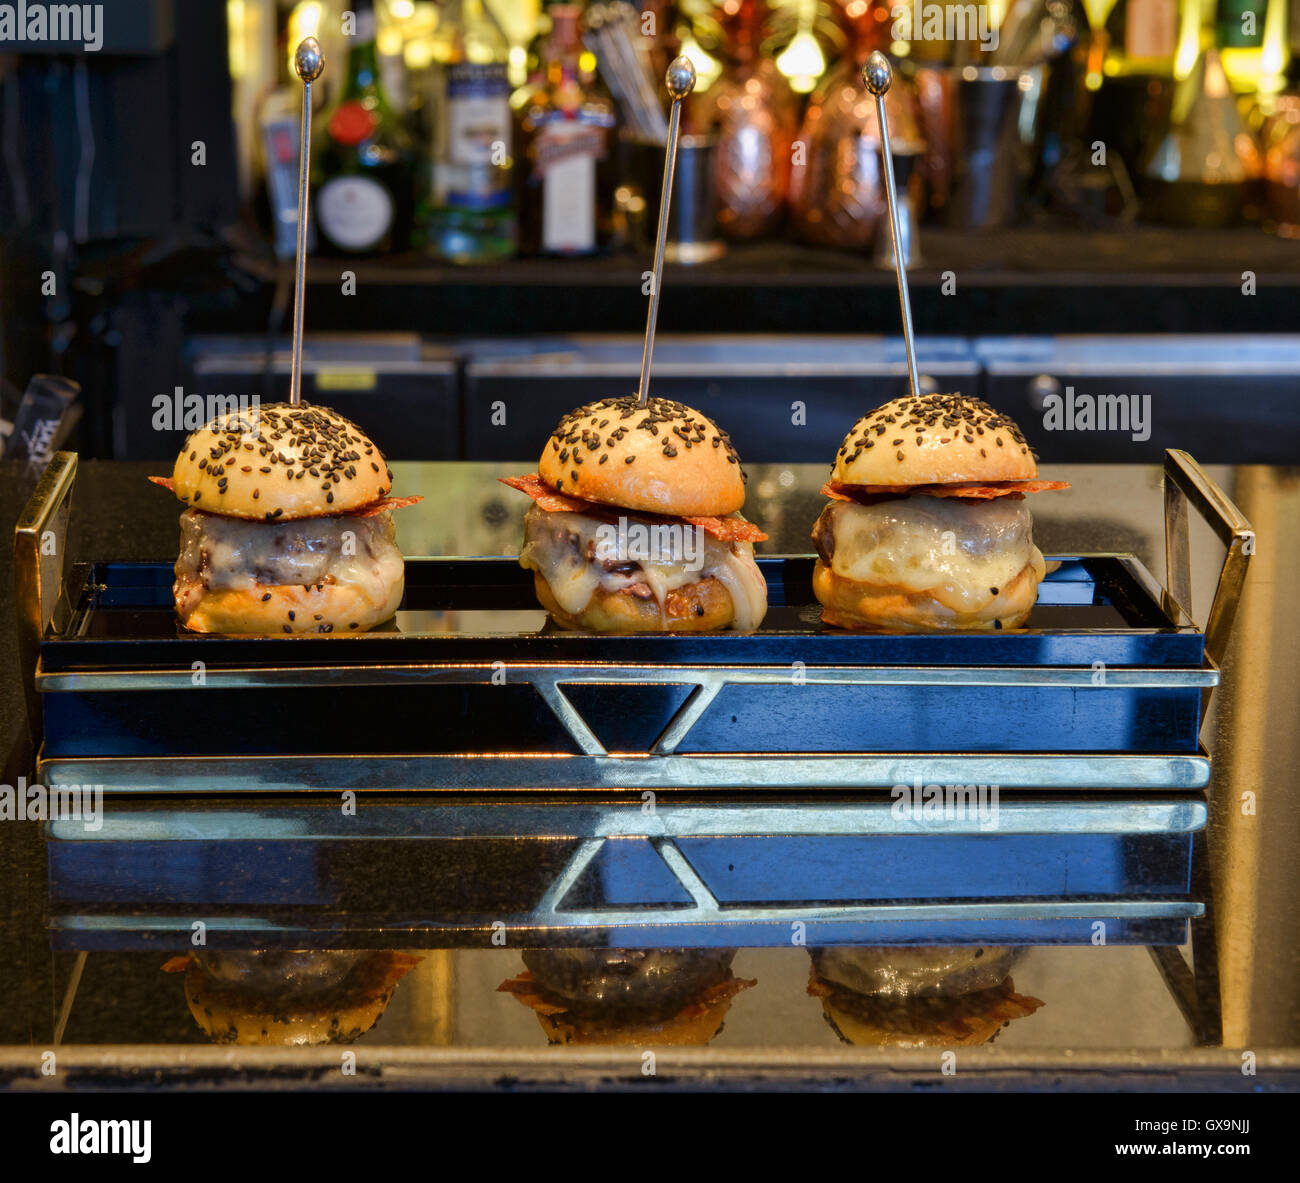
(291, 998)
(636, 523)
(927, 527)
(918, 997)
(288, 528)
(628, 996)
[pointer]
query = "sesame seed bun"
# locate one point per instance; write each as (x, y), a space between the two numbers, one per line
(662, 458)
(250, 1017)
(278, 461)
(274, 609)
(693, 1026)
(936, 439)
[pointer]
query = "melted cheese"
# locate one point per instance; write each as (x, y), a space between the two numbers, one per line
(961, 552)
(229, 552)
(562, 547)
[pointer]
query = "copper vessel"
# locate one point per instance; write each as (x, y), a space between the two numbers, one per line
(753, 113)
(836, 194)
(1281, 139)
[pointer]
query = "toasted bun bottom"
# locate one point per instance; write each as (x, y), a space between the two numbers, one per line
(228, 1019)
(694, 608)
(862, 1033)
(846, 603)
(325, 608)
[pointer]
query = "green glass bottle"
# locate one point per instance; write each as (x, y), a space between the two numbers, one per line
(471, 217)
(363, 159)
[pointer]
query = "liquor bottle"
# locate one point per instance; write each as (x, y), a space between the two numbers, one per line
(564, 177)
(471, 218)
(363, 161)
(754, 113)
(1252, 40)
(1143, 38)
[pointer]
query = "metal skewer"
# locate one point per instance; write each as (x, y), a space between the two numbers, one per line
(878, 75)
(680, 81)
(309, 62)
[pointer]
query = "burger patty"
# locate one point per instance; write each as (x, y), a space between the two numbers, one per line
(647, 984)
(574, 553)
(219, 552)
(960, 552)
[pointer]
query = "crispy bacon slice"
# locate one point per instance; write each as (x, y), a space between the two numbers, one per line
(366, 511)
(866, 494)
(378, 507)
(723, 529)
(548, 498)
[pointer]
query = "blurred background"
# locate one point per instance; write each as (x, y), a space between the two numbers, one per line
(1097, 195)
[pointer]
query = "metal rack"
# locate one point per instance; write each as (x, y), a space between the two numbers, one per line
(655, 873)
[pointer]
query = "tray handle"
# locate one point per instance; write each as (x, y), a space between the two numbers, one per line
(1186, 481)
(40, 544)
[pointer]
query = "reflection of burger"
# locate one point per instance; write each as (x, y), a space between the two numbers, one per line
(288, 528)
(636, 525)
(292, 998)
(927, 527)
(918, 997)
(633, 996)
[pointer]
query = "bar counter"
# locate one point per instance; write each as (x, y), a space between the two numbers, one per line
(1112, 1018)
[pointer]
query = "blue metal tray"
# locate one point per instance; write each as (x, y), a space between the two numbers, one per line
(471, 689)
(690, 872)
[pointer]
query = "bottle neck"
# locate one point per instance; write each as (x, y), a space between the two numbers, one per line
(564, 43)
(362, 71)
(868, 24)
(743, 23)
